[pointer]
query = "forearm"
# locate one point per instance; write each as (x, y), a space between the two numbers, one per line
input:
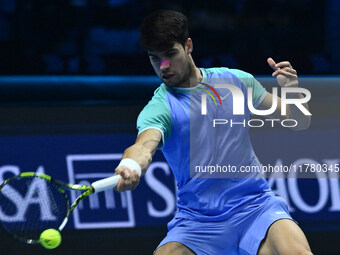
(137, 158)
(142, 153)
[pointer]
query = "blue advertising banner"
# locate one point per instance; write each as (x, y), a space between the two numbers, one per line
(86, 158)
(313, 201)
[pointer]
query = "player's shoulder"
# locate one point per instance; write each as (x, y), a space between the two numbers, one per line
(159, 96)
(160, 93)
(158, 102)
(227, 72)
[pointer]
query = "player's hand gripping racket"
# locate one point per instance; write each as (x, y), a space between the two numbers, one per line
(32, 202)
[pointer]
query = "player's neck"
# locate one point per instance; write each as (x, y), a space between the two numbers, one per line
(194, 77)
(196, 74)
(197, 77)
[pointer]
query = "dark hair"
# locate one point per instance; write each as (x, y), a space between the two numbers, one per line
(161, 29)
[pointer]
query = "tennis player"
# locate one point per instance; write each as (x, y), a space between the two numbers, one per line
(215, 215)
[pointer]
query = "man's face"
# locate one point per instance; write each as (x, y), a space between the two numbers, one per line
(171, 66)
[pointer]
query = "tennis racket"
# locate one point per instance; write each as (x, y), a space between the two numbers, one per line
(33, 202)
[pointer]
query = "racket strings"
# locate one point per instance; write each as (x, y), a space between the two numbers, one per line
(29, 206)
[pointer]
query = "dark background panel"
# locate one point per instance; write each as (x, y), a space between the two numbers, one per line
(102, 37)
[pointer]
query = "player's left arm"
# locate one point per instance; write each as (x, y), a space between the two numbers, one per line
(286, 76)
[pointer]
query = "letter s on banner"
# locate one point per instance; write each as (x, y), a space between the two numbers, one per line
(162, 190)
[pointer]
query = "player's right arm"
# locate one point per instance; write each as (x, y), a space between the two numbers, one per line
(141, 152)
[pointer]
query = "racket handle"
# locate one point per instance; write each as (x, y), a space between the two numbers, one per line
(107, 183)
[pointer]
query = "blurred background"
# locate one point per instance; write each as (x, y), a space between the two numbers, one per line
(73, 79)
(102, 36)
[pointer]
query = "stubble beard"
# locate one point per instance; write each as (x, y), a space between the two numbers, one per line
(185, 80)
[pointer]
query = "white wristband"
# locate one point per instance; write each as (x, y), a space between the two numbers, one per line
(131, 164)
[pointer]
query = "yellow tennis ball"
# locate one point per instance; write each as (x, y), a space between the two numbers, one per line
(50, 238)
